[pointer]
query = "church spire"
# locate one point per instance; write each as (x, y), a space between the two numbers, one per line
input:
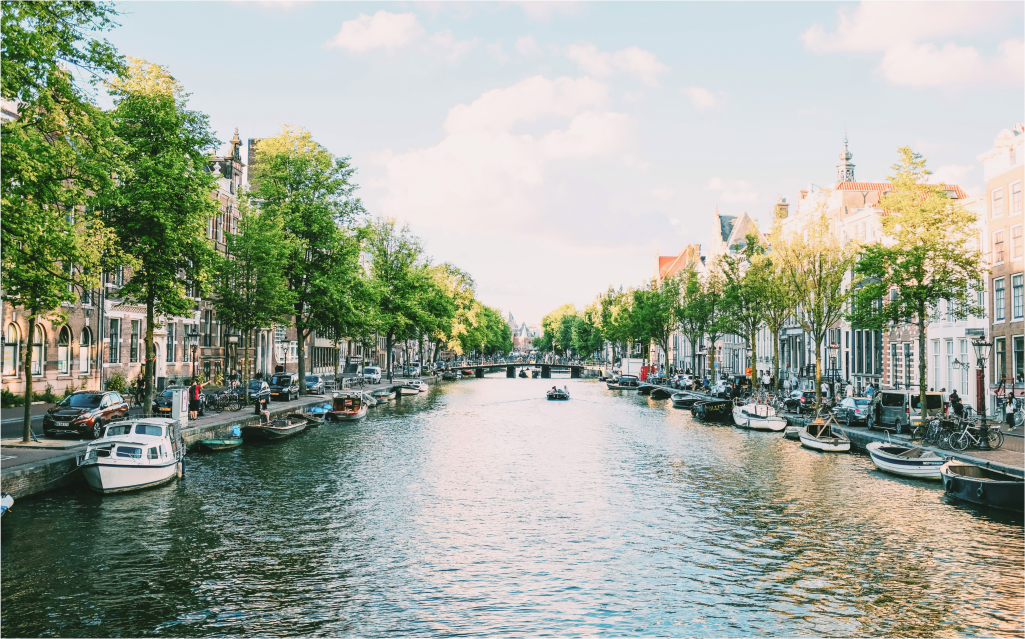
(845, 170)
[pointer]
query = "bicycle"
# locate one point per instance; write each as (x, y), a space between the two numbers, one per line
(967, 438)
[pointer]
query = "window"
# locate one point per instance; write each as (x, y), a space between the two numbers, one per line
(907, 365)
(151, 453)
(38, 352)
(1000, 359)
(85, 351)
(1016, 296)
(87, 297)
(893, 364)
(935, 361)
(1016, 197)
(207, 321)
(133, 343)
(170, 343)
(12, 350)
(1019, 359)
(964, 371)
(1016, 243)
(950, 365)
(998, 300)
(998, 247)
(998, 202)
(64, 351)
(115, 341)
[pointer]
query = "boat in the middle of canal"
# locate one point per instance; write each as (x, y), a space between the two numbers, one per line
(558, 393)
(909, 461)
(756, 415)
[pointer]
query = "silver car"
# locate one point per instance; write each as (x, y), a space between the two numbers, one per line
(372, 374)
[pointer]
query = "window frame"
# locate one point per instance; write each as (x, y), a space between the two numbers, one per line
(114, 337)
(1017, 296)
(999, 300)
(996, 198)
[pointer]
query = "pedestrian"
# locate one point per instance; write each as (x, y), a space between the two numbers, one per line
(870, 391)
(837, 388)
(786, 385)
(194, 397)
(850, 389)
(825, 390)
(955, 403)
(1009, 410)
(946, 399)
(766, 382)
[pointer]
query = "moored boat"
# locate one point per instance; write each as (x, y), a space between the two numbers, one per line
(624, 382)
(346, 407)
(756, 416)
(660, 393)
(277, 429)
(414, 385)
(384, 394)
(909, 461)
(820, 435)
(715, 409)
(130, 456)
(451, 375)
(645, 388)
(683, 400)
(6, 501)
(522, 373)
(983, 486)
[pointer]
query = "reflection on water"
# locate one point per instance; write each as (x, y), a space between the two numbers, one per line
(482, 508)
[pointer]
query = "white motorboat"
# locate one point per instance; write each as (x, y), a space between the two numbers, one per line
(758, 417)
(6, 501)
(133, 455)
(819, 434)
(910, 461)
(414, 385)
(347, 407)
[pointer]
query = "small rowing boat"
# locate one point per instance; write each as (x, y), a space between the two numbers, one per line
(234, 440)
(384, 394)
(277, 429)
(346, 407)
(558, 393)
(820, 435)
(909, 461)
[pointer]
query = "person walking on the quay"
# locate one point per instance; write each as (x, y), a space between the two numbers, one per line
(850, 389)
(766, 382)
(1009, 410)
(870, 391)
(786, 385)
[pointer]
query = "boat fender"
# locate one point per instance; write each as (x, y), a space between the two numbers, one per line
(980, 492)
(236, 431)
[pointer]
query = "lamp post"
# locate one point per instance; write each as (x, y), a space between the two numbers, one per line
(982, 352)
(482, 352)
(233, 353)
(192, 338)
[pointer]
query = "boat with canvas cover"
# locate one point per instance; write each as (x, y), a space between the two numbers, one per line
(133, 455)
(758, 416)
(909, 461)
(820, 434)
(983, 486)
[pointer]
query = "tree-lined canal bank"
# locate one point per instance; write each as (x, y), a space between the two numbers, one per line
(482, 508)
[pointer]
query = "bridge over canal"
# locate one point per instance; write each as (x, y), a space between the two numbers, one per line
(576, 371)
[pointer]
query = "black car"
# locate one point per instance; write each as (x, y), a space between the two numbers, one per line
(799, 401)
(162, 403)
(284, 386)
(84, 413)
(259, 390)
(315, 385)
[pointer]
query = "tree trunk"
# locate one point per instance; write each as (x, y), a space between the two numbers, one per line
(818, 370)
(27, 430)
(754, 351)
(150, 368)
(711, 359)
(775, 358)
(246, 341)
(299, 333)
(388, 357)
(338, 356)
(922, 363)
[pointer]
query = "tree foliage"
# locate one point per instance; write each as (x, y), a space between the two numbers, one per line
(657, 310)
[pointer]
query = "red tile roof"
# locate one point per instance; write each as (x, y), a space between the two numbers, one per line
(959, 194)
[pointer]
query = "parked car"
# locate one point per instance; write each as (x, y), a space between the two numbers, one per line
(372, 374)
(162, 403)
(84, 413)
(315, 385)
(259, 390)
(900, 409)
(411, 371)
(284, 386)
(853, 409)
(799, 401)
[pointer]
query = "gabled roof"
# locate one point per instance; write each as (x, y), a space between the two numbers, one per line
(726, 226)
(669, 266)
(959, 194)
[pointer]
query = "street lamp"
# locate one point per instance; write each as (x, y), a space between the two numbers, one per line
(982, 352)
(233, 353)
(192, 340)
(482, 353)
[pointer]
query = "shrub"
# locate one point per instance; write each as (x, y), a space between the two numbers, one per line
(10, 400)
(117, 381)
(219, 379)
(69, 389)
(47, 396)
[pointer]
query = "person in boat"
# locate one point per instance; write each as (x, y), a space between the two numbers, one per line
(194, 397)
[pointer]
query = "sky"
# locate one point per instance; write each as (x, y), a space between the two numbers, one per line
(554, 149)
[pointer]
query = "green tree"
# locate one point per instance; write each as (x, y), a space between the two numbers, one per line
(396, 256)
(714, 310)
(926, 257)
(817, 266)
(557, 330)
(163, 202)
(657, 310)
(311, 191)
(778, 303)
(746, 280)
(693, 313)
(460, 287)
(250, 289)
(587, 336)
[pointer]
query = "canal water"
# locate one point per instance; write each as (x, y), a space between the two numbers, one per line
(481, 508)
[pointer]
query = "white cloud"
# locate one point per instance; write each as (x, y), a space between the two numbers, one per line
(383, 30)
(545, 10)
(634, 61)
(482, 178)
(663, 194)
(445, 44)
(496, 50)
(527, 46)
(701, 98)
(899, 29)
(878, 26)
(732, 191)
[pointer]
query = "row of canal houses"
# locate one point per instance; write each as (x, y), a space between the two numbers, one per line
(103, 333)
(889, 359)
